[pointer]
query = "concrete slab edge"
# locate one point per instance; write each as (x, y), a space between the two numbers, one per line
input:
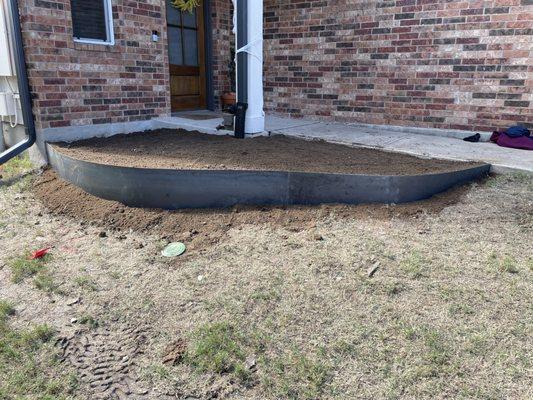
(451, 133)
(71, 134)
(495, 166)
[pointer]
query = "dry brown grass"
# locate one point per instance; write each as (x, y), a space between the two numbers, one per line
(447, 313)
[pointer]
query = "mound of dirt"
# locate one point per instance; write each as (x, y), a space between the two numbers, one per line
(180, 149)
(203, 227)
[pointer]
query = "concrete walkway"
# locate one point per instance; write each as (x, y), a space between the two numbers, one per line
(414, 141)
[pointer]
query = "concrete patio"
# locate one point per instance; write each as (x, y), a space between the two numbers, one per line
(415, 141)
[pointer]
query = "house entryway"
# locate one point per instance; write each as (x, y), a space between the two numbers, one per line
(187, 58)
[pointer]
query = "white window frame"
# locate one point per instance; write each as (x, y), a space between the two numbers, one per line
(109, 28)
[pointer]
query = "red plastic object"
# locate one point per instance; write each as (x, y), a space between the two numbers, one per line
(39, 253)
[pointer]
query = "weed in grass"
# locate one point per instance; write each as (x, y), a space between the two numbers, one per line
(414, 265)
(155, 373)
(223, 348)
(450, 293)
(114, 274)
(508, 264)
(148, 304)
(474, 392)
(296, 376)
(393, 288)
(477, 344)
(86, 282)
(458, 309)
(217, 348)
(88, 320)
(436, 356)
(269, 294)
(45, 282)
(438, 352)
(6, 310)
(36, 336)
(344, 348)
(407, 330)
(22, 267)
(505, 264)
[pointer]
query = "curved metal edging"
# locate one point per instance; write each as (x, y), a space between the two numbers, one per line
(174, 189)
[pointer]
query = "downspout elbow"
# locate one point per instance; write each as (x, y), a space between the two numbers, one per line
(23, 85)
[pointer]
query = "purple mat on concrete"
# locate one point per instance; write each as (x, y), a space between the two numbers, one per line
(522, 142)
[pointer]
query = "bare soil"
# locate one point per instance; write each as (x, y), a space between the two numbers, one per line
(205, 227)
(180, 149)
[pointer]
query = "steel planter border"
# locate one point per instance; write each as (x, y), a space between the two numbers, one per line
(175, 189)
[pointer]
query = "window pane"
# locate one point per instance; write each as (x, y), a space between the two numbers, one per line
(189, 19)
(89, 19)
(173, 14)
(175, 52)
(191, 47)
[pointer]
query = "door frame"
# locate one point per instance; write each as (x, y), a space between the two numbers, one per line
(208, 44)
(208, 55)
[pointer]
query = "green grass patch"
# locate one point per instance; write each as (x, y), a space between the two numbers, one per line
(86, 282)
(16, 174)
(24, 184)
(23, 267)
(27, 362)
(16, 166)
(503, 264)
(460, 309)
(437, 350)
(88, 320)
(218, 348)
(45, 281)
(6, 310)
(222, 348)
(414, 265)
(294, 375)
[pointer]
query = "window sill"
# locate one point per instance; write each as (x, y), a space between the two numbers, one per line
(95, 46)
(95, 42)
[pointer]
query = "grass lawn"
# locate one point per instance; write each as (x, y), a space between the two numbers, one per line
(432, 304)
(28, 363)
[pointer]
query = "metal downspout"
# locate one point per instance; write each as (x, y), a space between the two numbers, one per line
(242, 57)
(24, 88)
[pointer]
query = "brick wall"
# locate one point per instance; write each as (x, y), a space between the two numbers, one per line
(431, 63)
(223, 40)
(80, 84)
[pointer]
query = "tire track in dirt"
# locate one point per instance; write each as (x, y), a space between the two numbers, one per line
(105, 359)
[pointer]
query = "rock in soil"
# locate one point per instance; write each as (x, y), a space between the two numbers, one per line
(373, 269)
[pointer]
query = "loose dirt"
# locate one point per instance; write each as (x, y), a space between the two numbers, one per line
(180, 149)
(205, 227)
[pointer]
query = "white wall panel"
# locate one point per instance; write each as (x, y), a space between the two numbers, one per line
(6, 68)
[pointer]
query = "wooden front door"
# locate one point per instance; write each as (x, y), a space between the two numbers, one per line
(186, 52)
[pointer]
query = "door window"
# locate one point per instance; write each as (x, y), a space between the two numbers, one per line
(182, 36)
